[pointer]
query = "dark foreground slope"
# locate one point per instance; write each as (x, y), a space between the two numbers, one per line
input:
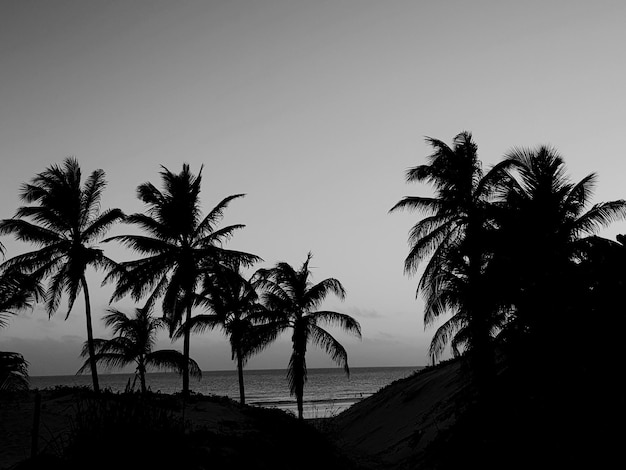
(394, 427)
(554, 416)
(570, 418)
(79, 430)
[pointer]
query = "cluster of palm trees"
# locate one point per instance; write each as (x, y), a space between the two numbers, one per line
(510, 259)
(183, 266)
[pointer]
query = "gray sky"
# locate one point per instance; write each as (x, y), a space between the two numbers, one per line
(314, 109)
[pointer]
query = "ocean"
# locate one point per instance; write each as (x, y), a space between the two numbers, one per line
(326, 393)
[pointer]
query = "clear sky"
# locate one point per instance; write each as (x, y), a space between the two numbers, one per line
(314, 109)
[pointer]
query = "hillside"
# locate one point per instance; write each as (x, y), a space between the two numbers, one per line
(567, 417)
(395, 426)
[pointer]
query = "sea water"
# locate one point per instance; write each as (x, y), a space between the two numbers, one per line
(327, 392)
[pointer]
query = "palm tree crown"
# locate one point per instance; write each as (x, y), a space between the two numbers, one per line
(65, 222)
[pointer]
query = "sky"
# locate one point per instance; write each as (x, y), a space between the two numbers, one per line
(314, 110)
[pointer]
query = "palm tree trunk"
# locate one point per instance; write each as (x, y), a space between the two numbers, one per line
(242, 394)
(300, 400)
(186, 344)
(298, 364)
(142, 377)
(90, 344)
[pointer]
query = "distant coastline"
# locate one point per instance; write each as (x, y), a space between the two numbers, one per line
(217, 371)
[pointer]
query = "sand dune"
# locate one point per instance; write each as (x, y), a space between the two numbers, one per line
(393, 427)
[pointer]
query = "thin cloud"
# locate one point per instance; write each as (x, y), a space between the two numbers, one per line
(364, 312)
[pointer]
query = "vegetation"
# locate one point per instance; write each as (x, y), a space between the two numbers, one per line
(236, 308)
(512, 269)
(65, 222)
(502, 247)
(149, 432)
(453, 237)
(292, 296)
(17, 292)
(184, 264)
(180, 248)
(134, 344)
(13, 372)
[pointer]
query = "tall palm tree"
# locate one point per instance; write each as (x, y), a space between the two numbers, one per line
(180, 247)
(292, 296)
(134, 344)
(451, 237)
(65, 222)
(544, 229)
(235, 308)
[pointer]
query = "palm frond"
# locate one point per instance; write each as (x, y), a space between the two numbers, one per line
(424, 246)
(200, 324)
(108, 360)
(345, 322)
(331, 346)
(90, 197)
(443, 336)
(216, 214)
(101, 224)
(144, 245)
(172, 360)
(416, 203)
(599, 216)
(28, 232)
(260, 337)
(316, 294)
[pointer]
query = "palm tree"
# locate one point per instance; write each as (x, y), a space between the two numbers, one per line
(66, 222)
(180, 248)
(292, 296)
(544, 233)
(452, 239)
(134, 344)
(235, 308)
(17, 292)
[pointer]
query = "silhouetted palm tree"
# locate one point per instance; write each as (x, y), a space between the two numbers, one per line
(544, 227)
(291, 295)
(236, 309)
(180, 248)
(17, 292)
(134, 344)
(452, 238)
(66, 222)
